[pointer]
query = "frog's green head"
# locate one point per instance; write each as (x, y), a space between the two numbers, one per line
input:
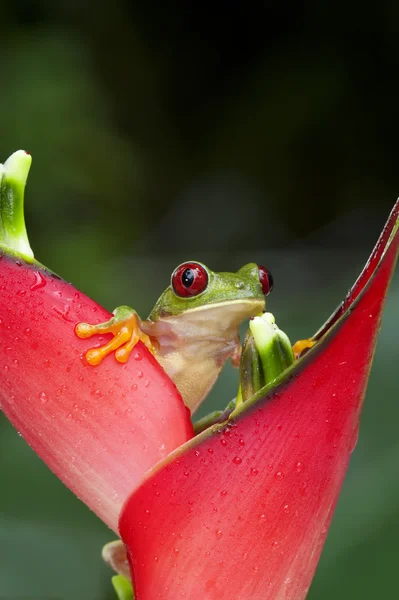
(194, 287)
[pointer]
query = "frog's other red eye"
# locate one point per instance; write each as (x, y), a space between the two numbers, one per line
(189, 279)
(266, 280)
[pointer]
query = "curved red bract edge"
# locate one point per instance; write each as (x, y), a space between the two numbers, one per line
(376, 256)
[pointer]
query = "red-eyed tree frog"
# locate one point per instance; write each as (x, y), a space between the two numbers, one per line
(192, 329)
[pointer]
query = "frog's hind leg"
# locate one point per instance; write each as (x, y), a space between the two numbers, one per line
(125, 327)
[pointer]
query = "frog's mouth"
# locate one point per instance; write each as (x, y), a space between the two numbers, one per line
(224, 315)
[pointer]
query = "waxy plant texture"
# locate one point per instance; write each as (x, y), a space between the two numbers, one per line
(239, 511)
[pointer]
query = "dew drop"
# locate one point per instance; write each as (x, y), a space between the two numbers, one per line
(137, 356)
(237, 460)
(140, 374)
(219, 533)
(298, 467)
(279, 475)
(39, 282)
(254, 471)
(43, 397)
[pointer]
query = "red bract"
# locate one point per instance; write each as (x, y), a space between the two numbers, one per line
(98, 428)
(242, 510)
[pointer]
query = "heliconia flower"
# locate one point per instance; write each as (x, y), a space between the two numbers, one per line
(241, 510)
(98, 428)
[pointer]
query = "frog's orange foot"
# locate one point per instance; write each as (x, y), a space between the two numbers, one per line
(125, 327)
(301, 346)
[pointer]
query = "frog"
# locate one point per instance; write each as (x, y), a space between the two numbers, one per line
(193, 328)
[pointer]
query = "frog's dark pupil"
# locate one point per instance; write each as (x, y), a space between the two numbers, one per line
(187, 278)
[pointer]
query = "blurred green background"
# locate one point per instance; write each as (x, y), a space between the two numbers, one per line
(228, 133)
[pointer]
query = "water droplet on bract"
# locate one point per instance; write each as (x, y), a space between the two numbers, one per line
(39, 282)
(237, 460)
(140, 374)
(254, 471)
(279, 475)
(137, 356)
(28, 331)
(15, 362)
(286, 508)
(223, 493)
(43, 397)
(298, 467)
(219, 533)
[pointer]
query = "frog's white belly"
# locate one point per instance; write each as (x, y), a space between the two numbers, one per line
(195, 371)
(194, 346)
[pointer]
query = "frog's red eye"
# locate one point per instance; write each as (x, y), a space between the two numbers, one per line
(189, 279)
(266, 280)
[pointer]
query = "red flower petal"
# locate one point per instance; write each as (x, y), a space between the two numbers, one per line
(242, 511)
(98, 428)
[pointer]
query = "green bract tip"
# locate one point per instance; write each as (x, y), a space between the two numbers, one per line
(122, 587)
(13, 176)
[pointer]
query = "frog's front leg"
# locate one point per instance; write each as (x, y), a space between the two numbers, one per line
(125, 326)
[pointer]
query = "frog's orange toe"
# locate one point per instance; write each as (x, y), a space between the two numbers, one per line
(95, 356)
(122, 354)
(302, 346)
(84, 330)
